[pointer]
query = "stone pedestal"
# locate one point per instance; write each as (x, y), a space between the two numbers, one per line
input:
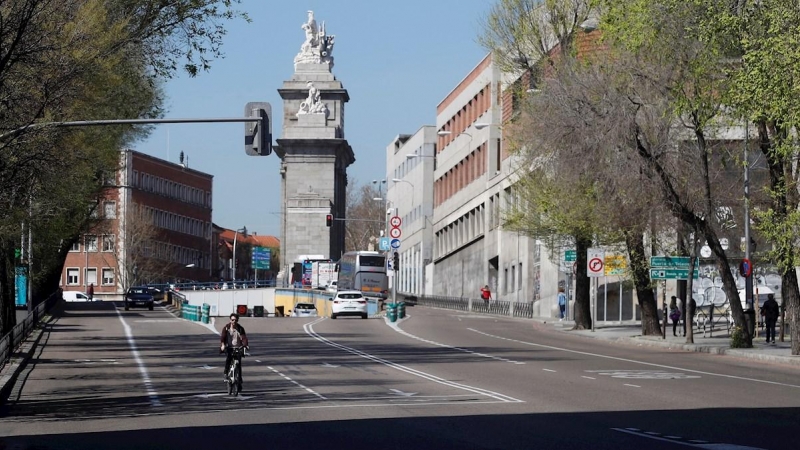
(314, 159)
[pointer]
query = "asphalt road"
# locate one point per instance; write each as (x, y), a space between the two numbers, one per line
(106, 378)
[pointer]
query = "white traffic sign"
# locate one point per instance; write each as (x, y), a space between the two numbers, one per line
(395, 221)
(595, 262)
(395, 233)
(395, 243)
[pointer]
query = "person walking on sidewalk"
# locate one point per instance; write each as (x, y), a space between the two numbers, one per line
(562, 303)
(90, 292)
(674, 314)
(770, 311)
(486, 294)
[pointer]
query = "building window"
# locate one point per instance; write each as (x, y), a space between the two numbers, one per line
(110, 210)
(76, 247)
(108, 243)
(91, 277)
(108, 276)
(91, 243)
(73, 275)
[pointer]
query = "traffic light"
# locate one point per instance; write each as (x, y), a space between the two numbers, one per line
(17, 254)
(396, 262)
(258, 135)
(329, 220)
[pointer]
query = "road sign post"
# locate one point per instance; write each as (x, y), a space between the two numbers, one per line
(595, 268)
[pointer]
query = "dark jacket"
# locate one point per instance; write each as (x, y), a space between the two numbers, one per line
(223, 336)
(770, 310)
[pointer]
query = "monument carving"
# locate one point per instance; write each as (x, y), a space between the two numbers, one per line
(317, 47)
(313, 103)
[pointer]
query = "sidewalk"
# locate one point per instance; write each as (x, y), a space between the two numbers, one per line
(719, 344)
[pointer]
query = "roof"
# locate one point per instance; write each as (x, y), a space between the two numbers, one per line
(253, 239)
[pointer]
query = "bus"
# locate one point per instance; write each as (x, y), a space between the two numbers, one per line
(364, 271)
(302, 268)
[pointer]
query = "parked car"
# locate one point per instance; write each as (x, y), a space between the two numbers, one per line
(139, 296)
(349, 303)
(75, 296)
(304, 310)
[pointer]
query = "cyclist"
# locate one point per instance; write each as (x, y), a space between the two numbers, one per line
(232, 336)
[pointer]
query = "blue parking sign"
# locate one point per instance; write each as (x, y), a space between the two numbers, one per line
(385, 244)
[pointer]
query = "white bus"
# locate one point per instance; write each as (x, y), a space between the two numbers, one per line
(364, 271)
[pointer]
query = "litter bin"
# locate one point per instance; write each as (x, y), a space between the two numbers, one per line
(750, 321)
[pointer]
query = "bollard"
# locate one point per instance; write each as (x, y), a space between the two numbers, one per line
(391, 312)
(401, 310)
(205, 313)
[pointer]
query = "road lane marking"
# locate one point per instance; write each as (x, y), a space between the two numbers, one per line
(615, 358)
(298, 384)
(588, 378)
(151, 392)
(548, 370)
(438, 344)
(644, 374)
(632, 385)
(309, 328)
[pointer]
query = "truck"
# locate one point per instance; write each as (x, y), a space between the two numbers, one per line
(322, 273)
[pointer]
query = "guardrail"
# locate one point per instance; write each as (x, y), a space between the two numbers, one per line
(496, 307)
(11, 341)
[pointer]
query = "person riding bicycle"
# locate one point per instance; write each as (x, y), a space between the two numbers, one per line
(232, 336)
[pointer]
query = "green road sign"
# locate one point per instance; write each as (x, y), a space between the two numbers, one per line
(677, 262)
(570, 255)
(672, 274)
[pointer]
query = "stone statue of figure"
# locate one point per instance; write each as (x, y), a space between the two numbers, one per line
(313, 103)
(317, 46)
(310, 28)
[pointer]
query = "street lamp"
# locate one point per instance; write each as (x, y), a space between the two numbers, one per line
(236, 235)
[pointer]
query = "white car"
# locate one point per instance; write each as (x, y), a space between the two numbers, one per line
(349, 303)
(332, 287)
(304, 310)
(75, 296)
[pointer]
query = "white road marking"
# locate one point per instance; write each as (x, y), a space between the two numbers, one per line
(631, 385)
(588, 378)
(401, 393)
(548, 370)
(644, 374)
(151, 392)
(298, 384)
(721, 375)
(438, 344)
(309, 328)
(678, 440)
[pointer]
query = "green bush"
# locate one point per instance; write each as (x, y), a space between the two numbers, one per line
(739, 338)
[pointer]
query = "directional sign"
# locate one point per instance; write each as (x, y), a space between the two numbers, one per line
(672, 274)
(385, 244)
(261, 257)
(395, 221)
(570, 255)
(595, 262)
(678, 262)
(395, 243)
(395, 233)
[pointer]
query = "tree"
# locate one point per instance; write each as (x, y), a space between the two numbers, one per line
(366, 217)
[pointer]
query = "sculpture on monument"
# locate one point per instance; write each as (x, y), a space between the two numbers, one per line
(317, 47)
(313, 103)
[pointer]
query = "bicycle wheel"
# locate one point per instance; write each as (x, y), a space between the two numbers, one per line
(237, 376)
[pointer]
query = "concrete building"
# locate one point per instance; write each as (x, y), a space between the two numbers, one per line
(410, 163)
(472, 185)
(153, 225)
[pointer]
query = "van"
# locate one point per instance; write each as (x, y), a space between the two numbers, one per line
(75, 296)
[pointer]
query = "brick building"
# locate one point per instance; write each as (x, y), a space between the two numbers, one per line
(153, 226)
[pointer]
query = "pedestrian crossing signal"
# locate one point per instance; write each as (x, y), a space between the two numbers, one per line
(329, 220)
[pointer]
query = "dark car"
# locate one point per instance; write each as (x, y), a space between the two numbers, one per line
(139, 296)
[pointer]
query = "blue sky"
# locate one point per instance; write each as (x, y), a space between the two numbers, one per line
(397, 59)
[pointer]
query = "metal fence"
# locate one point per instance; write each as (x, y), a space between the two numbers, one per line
(11, 341)
(495, 307)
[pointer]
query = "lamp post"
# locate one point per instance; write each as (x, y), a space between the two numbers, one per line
(235, 236)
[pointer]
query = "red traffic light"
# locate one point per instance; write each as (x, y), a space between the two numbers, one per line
(329, 219)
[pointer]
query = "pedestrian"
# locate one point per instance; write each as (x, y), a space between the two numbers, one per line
(674, 314)
(562, 303)
(770, 311)
(90, 292)
(486, 294)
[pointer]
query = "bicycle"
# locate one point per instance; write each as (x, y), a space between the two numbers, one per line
(235, 372)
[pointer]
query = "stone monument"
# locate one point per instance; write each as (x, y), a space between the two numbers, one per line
(314, 152)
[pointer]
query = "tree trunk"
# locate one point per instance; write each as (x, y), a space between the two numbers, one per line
(583, 313)
(8, 317)
(641, 279)
(791, 301)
